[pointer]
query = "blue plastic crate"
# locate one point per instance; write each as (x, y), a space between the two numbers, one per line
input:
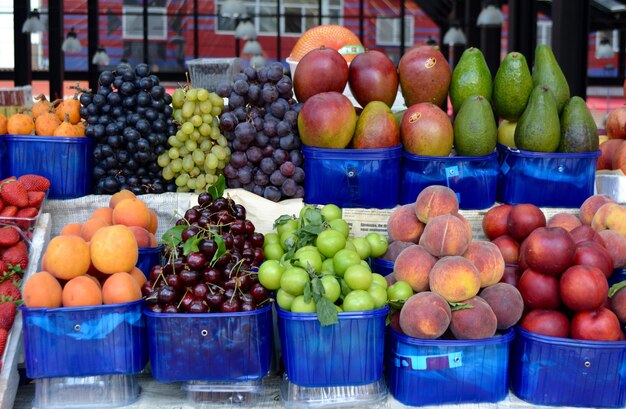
(436, 371)
(4, 163)
(348, 353)
(233, 347)
(363, 178)
(618, 275)
(85, 341)
(545, 179)
(473, 178)
(382, 266)
(148, 258)
(67, 162)
(568, 372)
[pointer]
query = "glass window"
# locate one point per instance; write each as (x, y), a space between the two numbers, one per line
(388, 31)
(132, 23)
(7, 60)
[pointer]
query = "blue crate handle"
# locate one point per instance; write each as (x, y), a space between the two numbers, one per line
(453, 171)
(352, 176)
(428, 362)
(96, 328)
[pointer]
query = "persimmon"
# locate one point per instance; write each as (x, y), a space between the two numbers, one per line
(42, 106)
(20, 124)
(46, 124)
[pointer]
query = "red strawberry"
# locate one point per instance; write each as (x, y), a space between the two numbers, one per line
(35, 183)
(9, 211)
(10, 178)
(35, 199)
(9, 290)
(16, 255)
(7, 315)
(4, 335)
(14, 193)
(1, 206)
(27, 212)
(9, 236)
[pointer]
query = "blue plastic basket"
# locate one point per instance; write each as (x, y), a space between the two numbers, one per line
(568, 372)
(224, 347)
(473, 178)
(348, 353)
(85, 341)
(436, 371)
(148, 258)
(4, 163)
(363, 178)
(67, 162)
(382, 266)
(545, 179)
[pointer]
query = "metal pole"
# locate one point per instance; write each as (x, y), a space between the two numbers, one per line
(56, 67)
(22, 56)
(92, 42)
(145, 32)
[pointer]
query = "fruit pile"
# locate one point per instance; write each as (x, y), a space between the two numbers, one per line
(316, 266)
(456, 279)
(10, 298)
(21, 199)
(198, 151)
(612, 147)
(565, 264)
(211, 257)
(59, 118)
(129, 119)
(261, 125)
(104, 254)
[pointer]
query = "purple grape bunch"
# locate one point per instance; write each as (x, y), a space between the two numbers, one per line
(260, 123)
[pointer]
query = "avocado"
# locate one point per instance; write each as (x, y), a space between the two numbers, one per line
(538, 129)
(475, 130)
(547, 72)
(579, 132)
(471, 76)
(512, 87)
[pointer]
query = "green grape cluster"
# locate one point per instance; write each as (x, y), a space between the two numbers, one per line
(198, 151)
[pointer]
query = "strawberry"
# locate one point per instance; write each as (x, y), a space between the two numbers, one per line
(8, 211)
(4, 336)
(9, 290)
(9, 236)
(27, 212)
(35, 199)
(7, 314)
(35, 183)
(14, 193)
(9, 179)
(16, 255)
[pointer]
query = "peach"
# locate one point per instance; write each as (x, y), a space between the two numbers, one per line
(425, 315)
(403, 224)
(506, 302)
(455, 278)
(618, 305)
(509, 248)
(610, 216)
(445, 235)
(608, 150)
(144, 237)
(413, 266)
(488, 261)
(591, 205)
(395, 248)
(619, 159)
(477, 322)
(435, 200)
(615, 244)
(568, 221)
(468, 225)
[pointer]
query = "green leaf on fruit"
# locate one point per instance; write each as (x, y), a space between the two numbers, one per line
(173, 236)
(216, 190)
(307, 293)
(221, 248)
(312, 229)
(396, 304)
(344, 287)
(616, 287)
(282, 220)
(455, 306)
(312, 216)
(326, 312)
(318, 289)
(191, 245)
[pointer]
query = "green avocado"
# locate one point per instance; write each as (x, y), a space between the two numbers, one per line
(512, 87)
(475, 129)
(471, 76)
(539, 128)
(579, 132)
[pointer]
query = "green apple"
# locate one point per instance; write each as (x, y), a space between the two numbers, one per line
(358, 300)
(332, 288)
(344, 259)
(270, 273)
(331, 212)
(299, 305)
(358, 277)
(378, 244)
(341, 226)
(506, 133)
(284, 299)
(379, 295)
(330, 242)
(362, 247)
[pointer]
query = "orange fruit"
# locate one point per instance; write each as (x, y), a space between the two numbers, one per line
(131, 212)
(20, 124)
(67, 257)
(327, 35)
(154, 222)
(119, 196)
(81, 291)
(120, 288)
(71, 229)
(91, 226)
(138, 275)
(42, 290)
(105, 213)
(114, 249)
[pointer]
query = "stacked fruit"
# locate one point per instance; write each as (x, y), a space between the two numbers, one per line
(59, 118)
(198, 151)
(21, 199)
(129, 118)
(565, 263)
(612, 148)
(13, 262)
(260, 123)
(316, 266)
(211, 257)
(104, 252)
(456, 278)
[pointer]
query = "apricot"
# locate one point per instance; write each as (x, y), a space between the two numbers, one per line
(91, 226)
(138, 275)
(131, 212)
(81, 291)
(42, 290)
(114, 249)
(67, 257)
(105, 213)
(119, 196)
(435, 200)
(120, 288)
(71, 229)
(154, 222)
(455, 278)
